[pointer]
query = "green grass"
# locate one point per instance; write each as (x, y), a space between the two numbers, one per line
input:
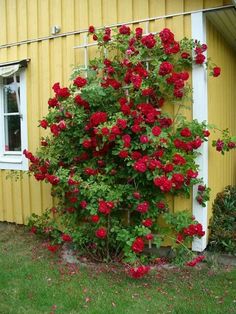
(32, 282)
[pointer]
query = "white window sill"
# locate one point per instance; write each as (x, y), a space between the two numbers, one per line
(13, 163)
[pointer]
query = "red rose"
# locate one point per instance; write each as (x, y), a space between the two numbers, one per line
(97, 118)
(62, 125)
(91, 29)
(178, 160)
(106, 38)
(138, 245)
(44, 124)
(179, 238)
(136, 195)
(156, 130)
(63, 92)
(138, 32)
(122, 123)
(147, 222)
(216, 71)
(185, 55)
(191, 173)
(138, 272)
(53, 248)
(144, 139)
(66, 237)
(80, 82)
(105, 207)
(143, 207)
(124, 30)
(101, 233)
(200, 58)
(167, 37)
(55, 129)
(163, 183)
(149, 41)
(178, 93)
(123, 154)
(165, 68)
(140, 166)
(83, 204)
(206, 133)
(53, 102)
(95, 218)
(95, 37)
(160, 205)
(149, 236)
(185, 132)
(33, 229)
(147, 91)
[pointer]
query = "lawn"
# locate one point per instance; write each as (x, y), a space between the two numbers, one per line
(33, 281)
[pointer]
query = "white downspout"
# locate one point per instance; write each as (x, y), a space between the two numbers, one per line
(200, 112)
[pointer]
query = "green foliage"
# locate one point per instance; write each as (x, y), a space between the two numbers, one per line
(223, 222)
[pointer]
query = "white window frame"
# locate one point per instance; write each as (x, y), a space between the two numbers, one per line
(11, 160)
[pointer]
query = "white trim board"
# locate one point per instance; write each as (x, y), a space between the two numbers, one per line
(200, 112)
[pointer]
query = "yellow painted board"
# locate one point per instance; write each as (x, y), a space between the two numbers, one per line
(2, 205)
(43, 18)
(81, 14)
(3, 19)
(109, 12)
(124, 11)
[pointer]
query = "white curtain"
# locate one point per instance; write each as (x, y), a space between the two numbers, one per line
(9, 70)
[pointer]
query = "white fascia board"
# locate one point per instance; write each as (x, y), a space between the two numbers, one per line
(200, 112)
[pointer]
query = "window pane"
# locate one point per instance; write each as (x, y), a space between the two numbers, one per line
(12, 133)
(10, 89)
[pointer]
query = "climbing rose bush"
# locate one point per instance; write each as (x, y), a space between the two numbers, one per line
(118, 145)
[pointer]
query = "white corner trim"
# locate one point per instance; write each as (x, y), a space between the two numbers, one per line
(200, 112)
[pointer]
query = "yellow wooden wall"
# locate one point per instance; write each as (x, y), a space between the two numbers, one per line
(222, 110)
(51, 61)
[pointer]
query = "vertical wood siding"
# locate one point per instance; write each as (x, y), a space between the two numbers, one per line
(52, 61)
(222, 110)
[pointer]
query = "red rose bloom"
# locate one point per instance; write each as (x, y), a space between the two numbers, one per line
(144, 139)
(136, 195)
(80, 82)
(138, 272)
(185, 55)
(101, 233)
(63, 92)
(44, 124)
(53, 102)
(147, 222)
(149, 41)
(124, 30)
(206, 133)
(165, 68)
(91, 29)
(200, 58)
(179, 238)
(140, 166)
(97, 118)
(167, 37)
(156, 130)
(178, 160)
(66, 237)
(149, 236)
(216, 71)
(138, 245)
(185, 132)
(143, 207)
(123, 154)
(95, 218)
(138, 32)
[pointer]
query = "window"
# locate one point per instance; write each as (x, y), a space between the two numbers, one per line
(13, 119)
